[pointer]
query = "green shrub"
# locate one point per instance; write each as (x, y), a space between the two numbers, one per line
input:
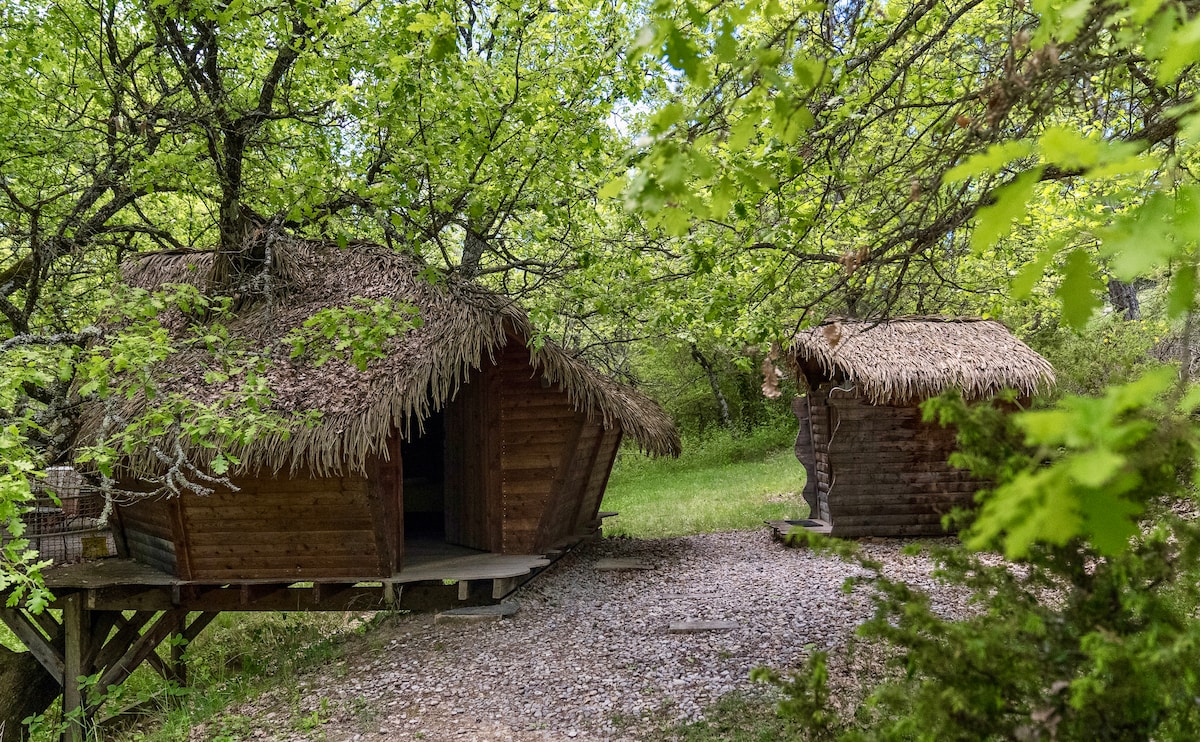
(1091, 630)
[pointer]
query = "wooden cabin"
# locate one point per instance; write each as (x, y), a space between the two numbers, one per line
(874, 468)
(465, 434)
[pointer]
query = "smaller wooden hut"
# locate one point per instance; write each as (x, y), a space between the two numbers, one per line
(874, 468)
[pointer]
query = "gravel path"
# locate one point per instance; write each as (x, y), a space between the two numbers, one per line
(588, 656)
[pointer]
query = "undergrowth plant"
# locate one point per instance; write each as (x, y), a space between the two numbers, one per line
(238, 657)
(1089, 631)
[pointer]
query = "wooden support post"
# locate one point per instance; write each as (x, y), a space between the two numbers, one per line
(43, 649)
(168, 622)
(182, 639)
(49, 626)
(127, 632)
(76, 632)
(103, 622)
(178, 664)
(198, 624)
(160, 666)
(503, 586)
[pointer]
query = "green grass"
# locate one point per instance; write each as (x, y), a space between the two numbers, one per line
(721, 483)
(239, 656)
(735, 718)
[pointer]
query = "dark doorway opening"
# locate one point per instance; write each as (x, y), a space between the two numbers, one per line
(424, 481)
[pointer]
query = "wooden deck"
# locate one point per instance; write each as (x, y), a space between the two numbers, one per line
(435, 575)
(114, 612)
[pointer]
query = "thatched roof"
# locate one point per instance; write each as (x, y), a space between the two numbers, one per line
(463, 326)
(908, 359)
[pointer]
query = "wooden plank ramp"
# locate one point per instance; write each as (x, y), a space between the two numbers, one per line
(781, 528)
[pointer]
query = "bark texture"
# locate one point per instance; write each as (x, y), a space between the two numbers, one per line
(25, 689)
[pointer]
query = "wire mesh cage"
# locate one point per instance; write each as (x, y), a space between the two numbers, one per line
(63, 522)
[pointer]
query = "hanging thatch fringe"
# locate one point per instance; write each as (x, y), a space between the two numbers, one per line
(464, 326)
(902, 360)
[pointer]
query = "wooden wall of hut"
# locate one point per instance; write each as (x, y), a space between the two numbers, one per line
(524, 472)
(554, 462)
(148, 527)
(288, 528)
(806, 453)
(880, 470)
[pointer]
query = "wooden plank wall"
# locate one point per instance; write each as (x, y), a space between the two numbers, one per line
(819, 417)
(554, 462)
(286, 528)
(806, 453)
(597, 478)
(149, 533)
(890, 476)
(558, 520)
(385, 493)
(472, 461)
(539, 431)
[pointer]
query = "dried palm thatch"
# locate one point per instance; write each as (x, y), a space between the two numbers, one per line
(902, 361)
(463, 326)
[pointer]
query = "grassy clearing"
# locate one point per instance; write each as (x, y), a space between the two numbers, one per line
(720, 483)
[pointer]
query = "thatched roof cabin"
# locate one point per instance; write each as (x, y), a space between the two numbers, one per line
(464, 431)
(463, 326)
(874, 467)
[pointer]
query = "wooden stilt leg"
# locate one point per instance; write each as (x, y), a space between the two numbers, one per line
(186, 636)
(76, 631)
(178, 666)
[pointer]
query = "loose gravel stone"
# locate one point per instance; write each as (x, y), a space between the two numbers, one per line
(587, 657)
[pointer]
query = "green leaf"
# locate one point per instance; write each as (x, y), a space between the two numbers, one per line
(1109, 521)
(1080, 289)
(991, 162)
(682, 54)
(1183, 50)
(742, 132)
(1023, 283)
(1011, 203)
(1093, 468)
(612, 189)
(1181, 297)
(725, 47)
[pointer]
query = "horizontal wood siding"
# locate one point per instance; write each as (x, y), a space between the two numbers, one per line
(606, 455)
(149, 533)
(539, 432)
(385, 490)
(818, 411)
(889, 472)
(287, 529)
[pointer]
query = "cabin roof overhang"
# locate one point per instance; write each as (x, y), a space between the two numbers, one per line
(462, 327)
(905, 360)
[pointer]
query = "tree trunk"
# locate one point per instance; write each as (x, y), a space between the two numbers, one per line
(26, 689)
(1124, 298)
(473, 248)
(722, 403)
